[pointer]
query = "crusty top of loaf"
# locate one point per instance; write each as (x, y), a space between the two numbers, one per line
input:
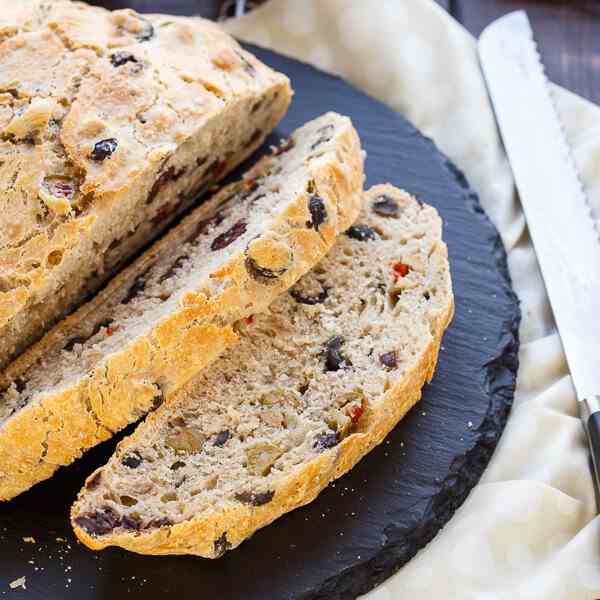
(91, 101)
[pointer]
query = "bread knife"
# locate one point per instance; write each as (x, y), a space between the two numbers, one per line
(561, 223)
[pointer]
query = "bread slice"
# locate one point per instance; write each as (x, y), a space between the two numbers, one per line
(111, 123)
(317, 382)
(171, 313)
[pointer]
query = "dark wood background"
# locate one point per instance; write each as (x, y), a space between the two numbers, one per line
(568, 31)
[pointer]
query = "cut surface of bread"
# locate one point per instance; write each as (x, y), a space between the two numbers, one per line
(315, 383)
(171, 312)
(111, 123)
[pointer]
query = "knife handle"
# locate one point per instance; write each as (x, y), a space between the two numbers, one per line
(593, 427)
(591, 421)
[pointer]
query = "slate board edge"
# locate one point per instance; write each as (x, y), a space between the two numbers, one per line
(501, 376)
(402, 545)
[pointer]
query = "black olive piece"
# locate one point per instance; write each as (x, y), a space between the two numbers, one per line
(131, 522)
(177, 465)
(389, 360)
(19, 384)
(221, 545)
(361, 232)
(133, 461)
(120, 58)
(222, 437)
(334, 359)
(103, 149)
(325, 441)
(310, 300)
(318, 213)
(385, 206)
(99, 522)
(156, 523)
(255, 499)
(228, 237)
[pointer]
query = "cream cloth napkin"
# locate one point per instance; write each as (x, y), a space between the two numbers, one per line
(528, 530)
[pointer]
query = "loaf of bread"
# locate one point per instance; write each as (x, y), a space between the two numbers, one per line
(171, 312)
(316, 382)
(111, 123)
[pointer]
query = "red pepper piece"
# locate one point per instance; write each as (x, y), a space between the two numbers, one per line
(356, 413)
(401, 269)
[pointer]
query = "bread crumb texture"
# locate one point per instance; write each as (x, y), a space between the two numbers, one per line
(172, 311)
(316, 382)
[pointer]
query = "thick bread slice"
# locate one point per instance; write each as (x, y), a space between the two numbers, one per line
(111, 123)
(316, 382)
(171, 313)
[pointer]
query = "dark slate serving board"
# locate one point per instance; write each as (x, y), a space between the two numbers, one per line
(373, 520)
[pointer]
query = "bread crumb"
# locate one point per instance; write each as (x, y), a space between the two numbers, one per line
(29, 540)
(18, 583)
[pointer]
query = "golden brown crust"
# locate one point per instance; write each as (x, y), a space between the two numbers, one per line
(38, 439)
(72, 75)
(196, 535)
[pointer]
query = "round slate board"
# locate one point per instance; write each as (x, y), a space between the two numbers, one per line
(373, 520)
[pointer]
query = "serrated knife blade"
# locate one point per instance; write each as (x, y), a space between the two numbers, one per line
(565, 236)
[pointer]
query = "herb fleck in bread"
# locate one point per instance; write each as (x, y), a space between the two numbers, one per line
(316, 382)
(171, 312)
(110, 124)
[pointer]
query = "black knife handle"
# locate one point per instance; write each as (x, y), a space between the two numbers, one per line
(590, 414)
(593, 429)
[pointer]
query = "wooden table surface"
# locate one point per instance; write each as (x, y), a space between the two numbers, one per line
(568, 31)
